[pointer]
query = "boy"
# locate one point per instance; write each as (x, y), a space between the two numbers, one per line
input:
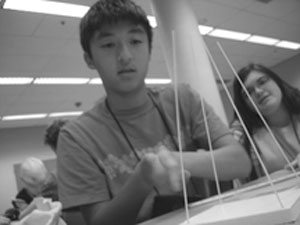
(114, 159)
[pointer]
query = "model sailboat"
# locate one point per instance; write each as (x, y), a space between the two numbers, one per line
(274, 202)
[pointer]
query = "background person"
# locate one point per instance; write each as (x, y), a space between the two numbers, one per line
(52, 133)
(279, 103)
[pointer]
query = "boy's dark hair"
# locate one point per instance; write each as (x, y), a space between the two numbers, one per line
(290, 95)
(52, 132)
(105, 12)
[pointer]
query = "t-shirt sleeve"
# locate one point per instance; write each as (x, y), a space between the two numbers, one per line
(80, 181)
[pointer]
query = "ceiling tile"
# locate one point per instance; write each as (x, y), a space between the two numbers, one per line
(281, 30)
(18, 23)
(274, 9)
(57, 27)
(25, 45)
(292, 18)
(240, 4)
(207, 11)
(63, 64)
(246, 22)
(16, 63)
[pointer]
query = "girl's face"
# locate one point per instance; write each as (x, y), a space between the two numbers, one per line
(264, 91)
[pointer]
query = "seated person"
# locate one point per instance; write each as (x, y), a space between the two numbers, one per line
(279, 104)
(37, 181)
(52, 132)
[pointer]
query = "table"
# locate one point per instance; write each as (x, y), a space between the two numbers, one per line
(282, 179)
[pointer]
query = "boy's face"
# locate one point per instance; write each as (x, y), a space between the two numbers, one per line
(120, 53)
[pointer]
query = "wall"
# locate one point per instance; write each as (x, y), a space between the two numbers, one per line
(15, 145)
(290, 70)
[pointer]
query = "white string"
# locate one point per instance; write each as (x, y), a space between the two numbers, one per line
(208, 135)
(178, 128)
(213, 161)
(244, 127)
(257, 111)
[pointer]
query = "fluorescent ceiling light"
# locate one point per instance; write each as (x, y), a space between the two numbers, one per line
(25, 117)
(229, 34)
(96, 80)
(61, 80)
(60, 114)
(48, 7)
(152, 21)
(157, 81)
(55, 8)
(204, 29)
(288, 44)
(15, 80)
(262, 40)
(66, 80)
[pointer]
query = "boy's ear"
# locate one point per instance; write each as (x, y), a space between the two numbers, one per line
(88, 61)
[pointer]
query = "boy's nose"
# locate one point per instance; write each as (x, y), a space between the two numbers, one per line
(124, 56)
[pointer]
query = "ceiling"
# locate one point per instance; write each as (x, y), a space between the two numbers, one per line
(39, 45)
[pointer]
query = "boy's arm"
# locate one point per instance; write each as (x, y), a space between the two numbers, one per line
(160, 171)
(230, 158)
(124, 207)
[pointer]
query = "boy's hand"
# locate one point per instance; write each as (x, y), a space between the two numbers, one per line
(162, 170)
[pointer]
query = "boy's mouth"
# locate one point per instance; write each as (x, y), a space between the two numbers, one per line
(124, 71)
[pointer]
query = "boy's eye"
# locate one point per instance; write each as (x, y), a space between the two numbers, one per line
(108, 45)
(136, 41)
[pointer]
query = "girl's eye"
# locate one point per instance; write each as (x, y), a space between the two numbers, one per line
(263, 80)
(250, 92)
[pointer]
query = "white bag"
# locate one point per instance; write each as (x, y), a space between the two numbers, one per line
(46, 213)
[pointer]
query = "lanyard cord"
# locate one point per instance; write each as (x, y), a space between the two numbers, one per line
(164, 119)
(122, 130)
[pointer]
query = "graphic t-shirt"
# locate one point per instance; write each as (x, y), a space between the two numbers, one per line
(95, 160)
